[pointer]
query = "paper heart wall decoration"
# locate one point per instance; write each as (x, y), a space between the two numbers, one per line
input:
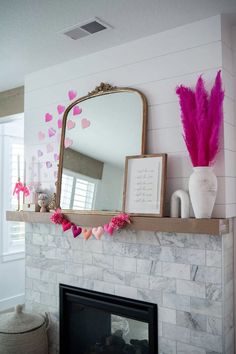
(98, 232)
(48, 117)
(66, 225)
(60, 109)
(70, 124)
(41, 136)
(72, 94)
(85, 123)
(76, 230)
(59, 123)
(49, 148)
(76, 110)
(56, 157)
(48, 164)
(51, 132)
(87, 233)
(68, 142)
(40, 153)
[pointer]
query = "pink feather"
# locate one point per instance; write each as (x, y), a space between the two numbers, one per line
(215, 116)
(188, 112)
(202, 122)
(202, 118)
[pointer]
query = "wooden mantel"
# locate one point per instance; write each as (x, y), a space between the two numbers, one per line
(193, 226)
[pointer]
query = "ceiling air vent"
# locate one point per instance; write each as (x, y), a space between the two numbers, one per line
(85, 29)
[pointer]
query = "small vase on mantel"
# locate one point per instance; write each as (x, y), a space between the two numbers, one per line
(203, 190)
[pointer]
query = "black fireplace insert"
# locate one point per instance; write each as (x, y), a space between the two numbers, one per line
(92, 322)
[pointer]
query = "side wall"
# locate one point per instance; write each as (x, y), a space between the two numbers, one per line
(233, 158)
(228, 74)
(155, 65)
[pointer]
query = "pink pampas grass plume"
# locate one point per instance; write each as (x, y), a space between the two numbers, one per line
(215, 116)
(188, 112)
(201, 98)
(202, 117)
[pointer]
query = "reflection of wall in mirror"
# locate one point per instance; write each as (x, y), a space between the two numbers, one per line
(82, 164)
(110, 189)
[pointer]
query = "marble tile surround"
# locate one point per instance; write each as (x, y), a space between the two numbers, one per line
(189, 276)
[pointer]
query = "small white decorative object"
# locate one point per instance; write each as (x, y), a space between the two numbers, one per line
(203, 190)
(179, 199)
(43, 202)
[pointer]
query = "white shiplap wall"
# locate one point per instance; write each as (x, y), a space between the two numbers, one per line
(155, 65)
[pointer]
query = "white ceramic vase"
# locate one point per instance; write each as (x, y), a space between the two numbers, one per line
(202, 190)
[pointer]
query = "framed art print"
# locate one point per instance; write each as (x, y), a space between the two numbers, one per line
(145, 181)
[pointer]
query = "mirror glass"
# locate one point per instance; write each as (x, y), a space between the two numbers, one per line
(100, 132)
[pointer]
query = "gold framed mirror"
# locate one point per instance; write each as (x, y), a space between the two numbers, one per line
(98, 131)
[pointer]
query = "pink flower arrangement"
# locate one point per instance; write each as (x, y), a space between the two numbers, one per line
(202, 116)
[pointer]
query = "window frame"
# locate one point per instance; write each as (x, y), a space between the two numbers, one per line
(88, 179)
(9, 250)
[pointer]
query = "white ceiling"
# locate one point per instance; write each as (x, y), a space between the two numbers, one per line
(31, 36)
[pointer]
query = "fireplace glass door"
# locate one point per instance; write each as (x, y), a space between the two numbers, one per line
(92, 322)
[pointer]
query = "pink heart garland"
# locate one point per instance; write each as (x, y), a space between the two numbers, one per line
(48, 164)
(56, 157)
(72, 94)
(76, 230)
(51, 132)
(109, 229)
(87, 233)
(68, 142)
(60, 109)
(66, 225)
(48, 117)
(85, 123)
(59, 123)
(40, 153)
(49, 148)
(41, 136)
(98, 232)
(76, 110)
(70, 124)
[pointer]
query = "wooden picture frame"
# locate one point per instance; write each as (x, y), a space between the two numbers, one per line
(145, 184)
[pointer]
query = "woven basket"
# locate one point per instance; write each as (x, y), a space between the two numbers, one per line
(22, 333)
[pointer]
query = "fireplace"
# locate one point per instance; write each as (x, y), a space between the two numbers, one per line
(92, 322)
